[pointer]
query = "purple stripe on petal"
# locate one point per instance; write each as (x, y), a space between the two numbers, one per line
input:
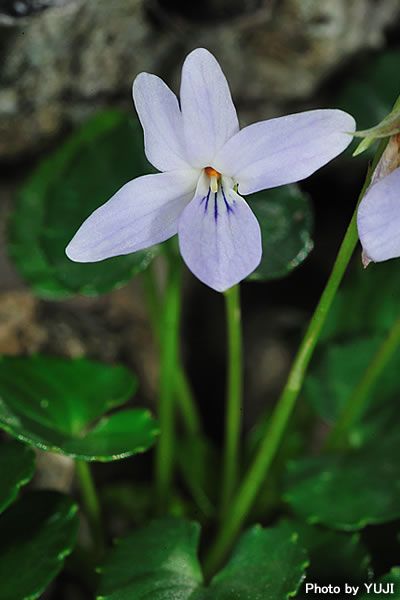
(206, 198)
(228, 206)
(220, 252)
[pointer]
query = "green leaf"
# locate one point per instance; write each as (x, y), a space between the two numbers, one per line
(391, 578)
(334, 556)
(266, 564)
(17, 465)
(362, 315)
(366, 304)
(37, 533)
(160, 562)
(349, 491)
(285, 219)
(337, 370)
(65, 189)
(59, 405)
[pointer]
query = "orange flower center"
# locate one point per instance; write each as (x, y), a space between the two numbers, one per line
(212, 172)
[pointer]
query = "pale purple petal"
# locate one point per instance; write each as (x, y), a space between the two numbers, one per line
(161, 119)
(279, 151)
(219, 238)
(209, 115)
(142, 213)
(378, 219)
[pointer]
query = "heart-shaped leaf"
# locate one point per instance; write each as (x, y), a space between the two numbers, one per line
(160, 562)
(337, 370)
(335, 556)
(266, 564)
(37, 533)
(366, 304)
(361, 316)
(348, 491)
(17, 465)
(65, 189)
(59, 405)
(285, 218)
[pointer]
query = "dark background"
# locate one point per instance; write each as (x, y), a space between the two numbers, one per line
(63, 60)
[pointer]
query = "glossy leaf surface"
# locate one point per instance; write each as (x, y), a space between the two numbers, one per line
(60, 405)
(285, 218)
(17, 465)
(160, 561)
(37, 533)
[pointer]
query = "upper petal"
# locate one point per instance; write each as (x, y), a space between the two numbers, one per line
(209, 115)
(284, 150)
(378, 219)
(219, 238)
(143, 212)
(162, 123)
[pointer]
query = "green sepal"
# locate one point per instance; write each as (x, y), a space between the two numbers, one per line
(386, 128)
(370, 93)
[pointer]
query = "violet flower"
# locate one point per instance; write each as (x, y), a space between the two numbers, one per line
(378, 217)
(206, 163)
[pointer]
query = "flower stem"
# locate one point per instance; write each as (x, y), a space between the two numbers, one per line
(167, 384)
(256, 474)
(185, 398)
(360, 395)
(92, 505)
(234, 396)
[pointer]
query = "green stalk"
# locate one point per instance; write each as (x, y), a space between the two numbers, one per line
(92, 506)
(270, 442)
(167, 384)
(361, 393)
(185, 398)
(234, 396)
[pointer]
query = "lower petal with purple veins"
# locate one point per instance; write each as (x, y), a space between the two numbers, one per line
(219, 238)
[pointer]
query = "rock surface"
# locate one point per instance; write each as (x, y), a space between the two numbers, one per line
(63, 59)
